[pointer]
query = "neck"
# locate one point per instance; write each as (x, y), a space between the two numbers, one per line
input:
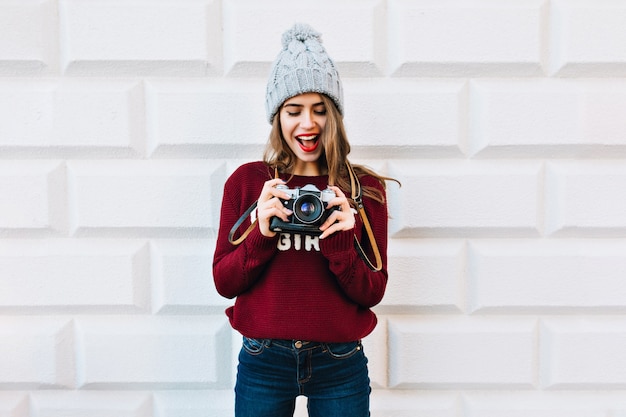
(308, 169)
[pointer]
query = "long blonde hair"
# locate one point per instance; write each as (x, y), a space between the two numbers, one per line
(336, 148)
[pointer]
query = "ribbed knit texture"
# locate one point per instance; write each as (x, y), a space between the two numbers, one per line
(302, 66)
(285, 288)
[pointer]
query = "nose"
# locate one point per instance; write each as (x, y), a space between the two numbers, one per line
(308, 120)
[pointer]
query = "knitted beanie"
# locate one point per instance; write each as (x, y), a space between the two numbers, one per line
(303, 66)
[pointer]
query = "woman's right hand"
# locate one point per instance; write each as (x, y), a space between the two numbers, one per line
(270, 205)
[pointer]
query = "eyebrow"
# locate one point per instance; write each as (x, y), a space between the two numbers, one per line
(321, 103)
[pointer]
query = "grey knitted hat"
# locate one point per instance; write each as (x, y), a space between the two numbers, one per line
(303, 66)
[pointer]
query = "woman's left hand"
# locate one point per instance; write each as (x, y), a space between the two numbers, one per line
(341, 219)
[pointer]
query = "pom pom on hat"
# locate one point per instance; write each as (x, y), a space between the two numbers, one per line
(300, 32)
(303, 66)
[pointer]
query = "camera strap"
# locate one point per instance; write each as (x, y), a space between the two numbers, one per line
(245, 234)
(243, 217)
(357, 197)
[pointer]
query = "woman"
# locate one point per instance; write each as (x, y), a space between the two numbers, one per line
(304, 285)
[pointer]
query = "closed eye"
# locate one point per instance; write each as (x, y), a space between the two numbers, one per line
(293, 109)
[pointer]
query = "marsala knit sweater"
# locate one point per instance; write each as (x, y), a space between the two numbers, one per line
(294, 286)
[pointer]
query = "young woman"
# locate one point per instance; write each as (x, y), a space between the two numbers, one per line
(304, 282)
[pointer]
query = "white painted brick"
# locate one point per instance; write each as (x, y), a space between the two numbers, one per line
(29, 105)
(197, 403)
(535, 275)
(92, 403)
(182, 277)
(588, 37)
(162, 37)
(301, 407)
(375, 348)
(352, 33)
(377, 112)
(99, 114)
(236, 342)
(511, 204)
(180, 352)
(445, 197)
(543, 118)
(67, 275)
(586, 197)
(82, 115)
(437, 352)
(425, 275)
(14, 404)
(171, 196)
(199, 118)
(36, 352)
(583, 352)
(408, 403)
(28, 190)
(28, 37)
(466, 38)
(543, 404)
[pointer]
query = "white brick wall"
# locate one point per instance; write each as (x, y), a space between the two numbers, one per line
(504, 120)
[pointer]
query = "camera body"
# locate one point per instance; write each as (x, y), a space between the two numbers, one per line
(309, 207)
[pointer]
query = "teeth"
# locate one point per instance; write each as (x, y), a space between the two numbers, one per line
(306, 137)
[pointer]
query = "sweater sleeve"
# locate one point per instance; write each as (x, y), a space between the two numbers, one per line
(237, 267)
(359, 283)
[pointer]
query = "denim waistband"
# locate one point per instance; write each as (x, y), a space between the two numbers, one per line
(298, 344)
(302, 344)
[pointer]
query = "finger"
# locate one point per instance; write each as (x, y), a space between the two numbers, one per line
(274, 207)
(278, 193)
(336, 222)
(337, 190)
(334, 217)
(340, 200)
(327, 231)
(335, 227)
(269, 190)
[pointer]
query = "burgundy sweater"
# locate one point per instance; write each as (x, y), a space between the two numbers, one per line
(294, 286)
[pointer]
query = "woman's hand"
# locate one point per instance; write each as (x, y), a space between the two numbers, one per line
(341, 219)
(269, 205)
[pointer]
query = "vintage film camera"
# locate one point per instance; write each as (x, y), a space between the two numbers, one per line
(309, 206)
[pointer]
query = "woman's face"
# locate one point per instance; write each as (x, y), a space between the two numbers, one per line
(302, 120)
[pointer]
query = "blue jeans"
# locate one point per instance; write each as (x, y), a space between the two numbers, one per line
(272, 373)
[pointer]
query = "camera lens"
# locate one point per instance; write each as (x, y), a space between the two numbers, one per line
(308, 208)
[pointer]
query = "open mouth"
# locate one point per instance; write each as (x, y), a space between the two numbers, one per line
(308, 143)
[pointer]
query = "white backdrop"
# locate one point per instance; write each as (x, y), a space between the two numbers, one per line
(504, 120)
